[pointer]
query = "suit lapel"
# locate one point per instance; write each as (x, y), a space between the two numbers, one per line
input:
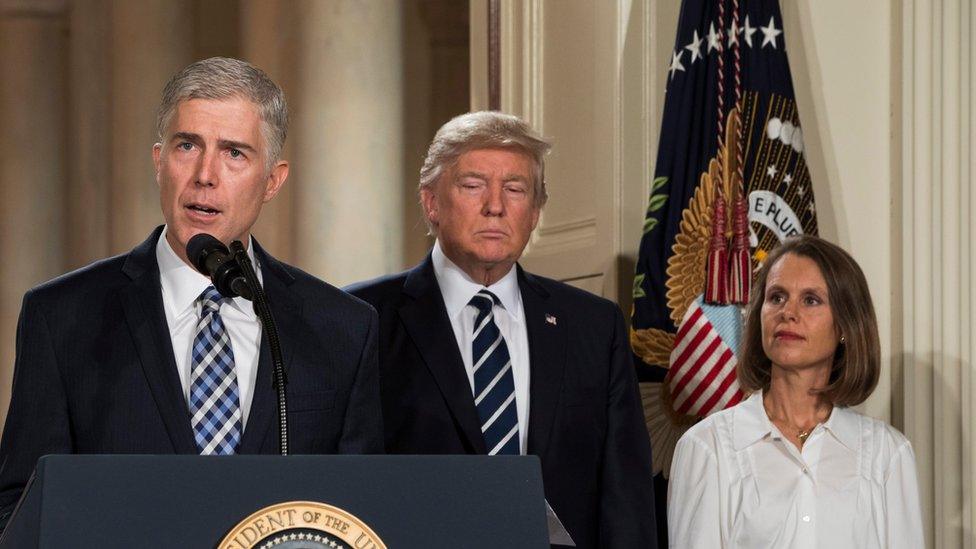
(287, 313)
(142, 301)
(425, 317)
(546, 329)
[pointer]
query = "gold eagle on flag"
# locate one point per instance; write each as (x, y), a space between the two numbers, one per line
(778, 188)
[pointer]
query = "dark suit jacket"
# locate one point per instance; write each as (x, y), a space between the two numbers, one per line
(585, 422)
(95, 370)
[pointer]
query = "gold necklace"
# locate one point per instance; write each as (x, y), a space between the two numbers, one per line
(801, 434)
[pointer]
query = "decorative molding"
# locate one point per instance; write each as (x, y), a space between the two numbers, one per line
(512, 57)
(522, 54)
(494, 55)
(651, 118)
(562, 237)
(590, 283)
(617, 126)
(939, 260)
(566, 226)
(533, 67)
(478, 58)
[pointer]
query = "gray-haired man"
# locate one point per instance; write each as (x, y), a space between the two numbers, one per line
(478, 356)
(138, 354)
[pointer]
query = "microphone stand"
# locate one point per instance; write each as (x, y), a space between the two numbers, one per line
(264, 313)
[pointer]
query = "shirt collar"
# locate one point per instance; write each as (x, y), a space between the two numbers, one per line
(182, 284)
(751, 424)
(844, 424)
(458, 288)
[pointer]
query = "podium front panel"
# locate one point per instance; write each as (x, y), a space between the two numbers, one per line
(194, 501)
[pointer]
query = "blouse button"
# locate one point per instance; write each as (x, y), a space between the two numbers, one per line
(806, 518)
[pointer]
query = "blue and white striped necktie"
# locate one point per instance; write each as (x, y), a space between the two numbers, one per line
(494, 384)
(215, 402)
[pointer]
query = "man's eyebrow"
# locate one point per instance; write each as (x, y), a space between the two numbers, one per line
(477, 175)
(229, 144)
(222, 143)
(506, 177)
(186, 136)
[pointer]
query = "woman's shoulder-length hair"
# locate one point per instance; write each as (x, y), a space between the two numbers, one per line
(857, 361)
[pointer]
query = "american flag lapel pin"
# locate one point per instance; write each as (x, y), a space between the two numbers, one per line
(550, 319)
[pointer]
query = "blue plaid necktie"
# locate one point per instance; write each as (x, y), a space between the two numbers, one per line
(494, 384)
(215, 402)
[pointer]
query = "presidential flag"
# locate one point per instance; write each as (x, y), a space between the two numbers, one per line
(730, 183)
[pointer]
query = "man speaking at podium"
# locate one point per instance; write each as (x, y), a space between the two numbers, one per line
(478, 356)
(140, 354)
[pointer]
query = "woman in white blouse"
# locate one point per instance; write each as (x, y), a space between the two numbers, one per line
(793, 466)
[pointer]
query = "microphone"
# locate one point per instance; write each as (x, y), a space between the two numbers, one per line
(214, 260)
(233, 275)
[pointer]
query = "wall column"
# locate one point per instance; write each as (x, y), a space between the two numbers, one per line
(90, 131)
(32, 160)
(151, 41)
(348, 140)
(939, 260)
(268, 42)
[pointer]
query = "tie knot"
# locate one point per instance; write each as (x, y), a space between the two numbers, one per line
(484, 300)
(210, 299)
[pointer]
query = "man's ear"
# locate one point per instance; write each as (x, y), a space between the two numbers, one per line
(428, 199)
(156, 152)
(276, 179)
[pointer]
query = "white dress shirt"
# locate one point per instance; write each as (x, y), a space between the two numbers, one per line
(182, 286)
(737, 482)
(458, 288)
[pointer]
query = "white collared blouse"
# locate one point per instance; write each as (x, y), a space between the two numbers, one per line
(737, 482)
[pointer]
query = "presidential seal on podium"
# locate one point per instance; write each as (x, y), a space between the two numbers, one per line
(301, 525)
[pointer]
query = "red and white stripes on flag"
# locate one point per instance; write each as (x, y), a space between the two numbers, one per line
(701, 379)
